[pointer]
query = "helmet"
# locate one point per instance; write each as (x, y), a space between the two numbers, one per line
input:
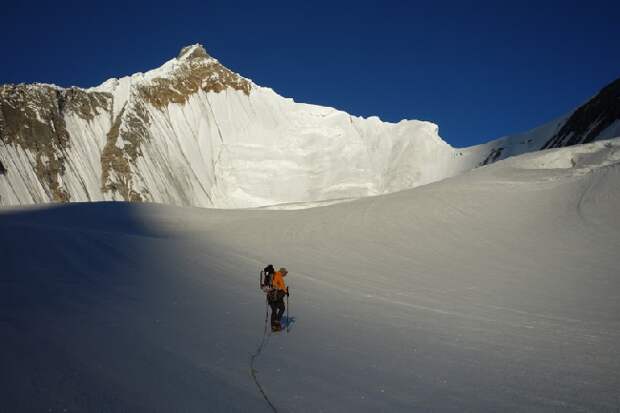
(283, 270)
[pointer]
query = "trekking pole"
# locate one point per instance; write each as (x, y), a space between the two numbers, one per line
(288, 320)
(266, 314)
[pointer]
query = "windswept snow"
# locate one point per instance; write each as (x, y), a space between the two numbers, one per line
(497, 290)
(580, 158)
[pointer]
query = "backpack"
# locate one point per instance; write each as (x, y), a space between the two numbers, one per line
(266, 278)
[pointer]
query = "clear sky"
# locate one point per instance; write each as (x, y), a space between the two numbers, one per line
(480, 70)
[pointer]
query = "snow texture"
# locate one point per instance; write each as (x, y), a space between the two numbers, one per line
(496, 290)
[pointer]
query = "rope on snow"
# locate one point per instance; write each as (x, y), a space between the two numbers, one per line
(254, 356)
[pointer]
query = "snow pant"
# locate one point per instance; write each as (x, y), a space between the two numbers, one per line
(277, 310)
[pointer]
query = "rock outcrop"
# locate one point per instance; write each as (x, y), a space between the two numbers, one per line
(590, 120)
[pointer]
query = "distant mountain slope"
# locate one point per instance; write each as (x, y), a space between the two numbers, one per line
(599, 118)
(496, 290)
(194, 133)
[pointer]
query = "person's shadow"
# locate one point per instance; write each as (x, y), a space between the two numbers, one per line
(287, 323)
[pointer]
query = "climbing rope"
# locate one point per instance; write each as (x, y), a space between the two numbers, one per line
(254, 356)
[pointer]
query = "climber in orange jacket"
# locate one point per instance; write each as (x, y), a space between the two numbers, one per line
(276, 299)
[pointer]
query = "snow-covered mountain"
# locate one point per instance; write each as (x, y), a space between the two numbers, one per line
(496, 290)
(597, 119)
(194, 133)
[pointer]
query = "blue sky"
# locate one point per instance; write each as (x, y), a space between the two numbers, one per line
(479, 70)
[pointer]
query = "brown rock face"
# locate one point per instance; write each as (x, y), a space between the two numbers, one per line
(86, 105)
(197, 72)
(193, 52)
(589, 120)
(116, 160)
(32, 117)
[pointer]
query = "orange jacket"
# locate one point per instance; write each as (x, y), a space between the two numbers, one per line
(278, 281)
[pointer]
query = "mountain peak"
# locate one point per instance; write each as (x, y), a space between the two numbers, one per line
(194, 51)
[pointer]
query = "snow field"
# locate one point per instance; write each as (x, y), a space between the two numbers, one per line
(496, 290)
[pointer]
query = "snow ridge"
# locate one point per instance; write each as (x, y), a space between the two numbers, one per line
(194, 133)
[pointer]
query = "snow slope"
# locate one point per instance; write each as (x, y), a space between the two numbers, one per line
(497, 290)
